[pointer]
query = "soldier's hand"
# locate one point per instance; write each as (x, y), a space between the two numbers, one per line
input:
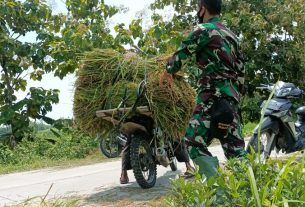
(166, 79)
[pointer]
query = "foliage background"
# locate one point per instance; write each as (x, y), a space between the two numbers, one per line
(272, 34)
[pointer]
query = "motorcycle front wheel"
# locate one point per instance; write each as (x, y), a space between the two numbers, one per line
(109, 147)
(264, 145)
(142, 162)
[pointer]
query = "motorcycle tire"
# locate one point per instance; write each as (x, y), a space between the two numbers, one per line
(142, 162)
(109, 147)
(173, 165)
(264, 141)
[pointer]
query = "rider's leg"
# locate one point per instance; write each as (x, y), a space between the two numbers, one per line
(126, 165)
(181, 154)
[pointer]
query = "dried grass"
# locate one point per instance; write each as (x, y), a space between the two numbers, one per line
(103, 79)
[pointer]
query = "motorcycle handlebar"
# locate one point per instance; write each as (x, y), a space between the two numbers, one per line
(263, 87)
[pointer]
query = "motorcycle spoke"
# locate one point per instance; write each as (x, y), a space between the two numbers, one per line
(145, 160)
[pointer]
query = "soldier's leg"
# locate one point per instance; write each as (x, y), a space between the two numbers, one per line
(196, 139)
(234, 144)
(196, 133)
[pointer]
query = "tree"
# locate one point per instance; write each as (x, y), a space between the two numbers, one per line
(18, 58)
(273, 38)
(60, 39)
(272, 35)
(83, 28)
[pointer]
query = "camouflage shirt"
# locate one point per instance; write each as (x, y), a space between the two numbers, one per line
(219, 61)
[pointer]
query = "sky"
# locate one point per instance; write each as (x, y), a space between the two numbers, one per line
(64, 109)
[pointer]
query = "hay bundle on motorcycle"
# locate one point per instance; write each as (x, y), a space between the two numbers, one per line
(116, 91)
(106, 75)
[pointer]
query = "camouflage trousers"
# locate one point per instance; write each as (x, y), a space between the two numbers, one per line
(197, 139)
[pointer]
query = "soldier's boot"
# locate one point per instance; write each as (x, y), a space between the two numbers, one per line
(208, 165)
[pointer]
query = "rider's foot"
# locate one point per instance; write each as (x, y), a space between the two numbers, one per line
(124, 177)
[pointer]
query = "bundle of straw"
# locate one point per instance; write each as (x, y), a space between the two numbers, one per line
(106, 76)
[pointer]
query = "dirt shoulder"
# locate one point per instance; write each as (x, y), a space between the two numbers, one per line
(131, 194)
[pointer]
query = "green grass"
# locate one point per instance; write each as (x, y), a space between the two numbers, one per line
(39, 163)
(247, 182)
(248, 129)
(72, 148)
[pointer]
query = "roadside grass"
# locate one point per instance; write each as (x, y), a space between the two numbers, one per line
(71, 148)
(157, 202)
(40, 163)
(78, 201)
(42, 202)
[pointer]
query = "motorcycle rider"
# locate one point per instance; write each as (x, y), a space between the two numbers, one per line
(219, 83)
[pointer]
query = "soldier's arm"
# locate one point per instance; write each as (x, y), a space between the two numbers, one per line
(196, 40)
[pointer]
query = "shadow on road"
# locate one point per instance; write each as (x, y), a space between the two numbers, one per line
(132, 192)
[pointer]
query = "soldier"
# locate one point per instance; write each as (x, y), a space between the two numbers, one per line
(219, 83)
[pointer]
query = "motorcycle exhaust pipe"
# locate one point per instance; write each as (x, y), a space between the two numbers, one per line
(162, 157)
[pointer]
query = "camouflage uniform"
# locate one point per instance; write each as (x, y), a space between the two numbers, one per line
(219, 74)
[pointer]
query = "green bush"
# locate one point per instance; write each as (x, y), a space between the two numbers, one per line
(248, 129)
(250, 106)
(245, 183)
(45, 145)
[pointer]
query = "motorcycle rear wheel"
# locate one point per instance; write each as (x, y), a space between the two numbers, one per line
(266, 144)
(142, 162)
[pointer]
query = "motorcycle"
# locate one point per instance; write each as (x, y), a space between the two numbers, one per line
(112, 145)
(278, 131)
(147, 147)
